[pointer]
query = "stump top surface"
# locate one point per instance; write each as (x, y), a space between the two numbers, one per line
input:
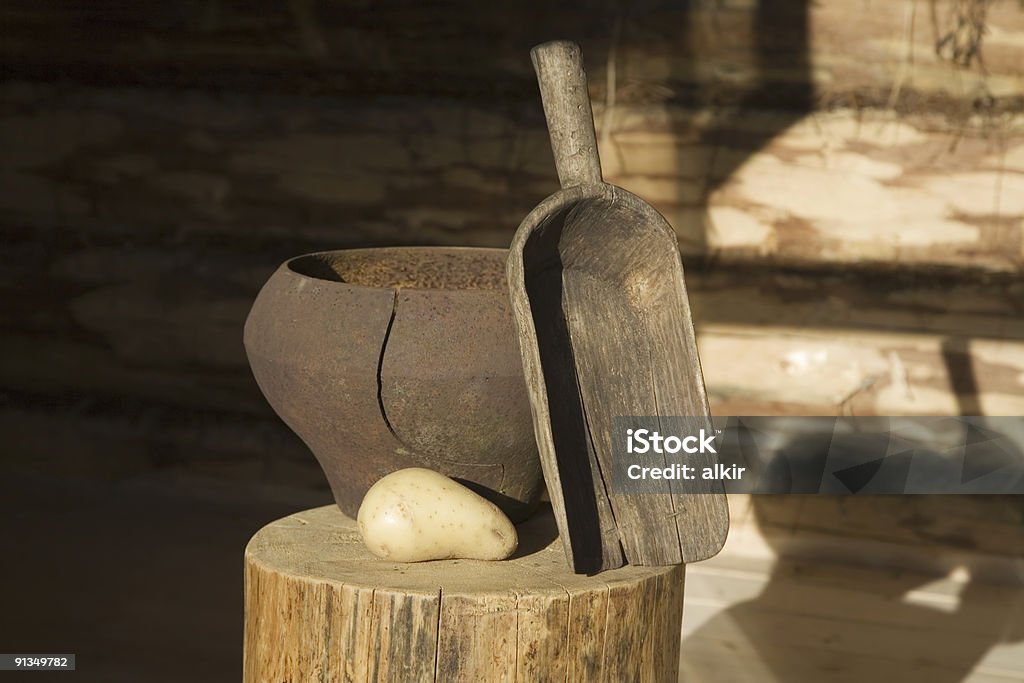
(322, 544)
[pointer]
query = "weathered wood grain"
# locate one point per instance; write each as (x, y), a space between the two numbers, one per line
(804, 371)
(979, 525)
(319, 607)
(614, 303)
(930, 534)
(149, 350)
(718, 51)
(87, 394)
(834, 187)
(841, 186)
(614, 379)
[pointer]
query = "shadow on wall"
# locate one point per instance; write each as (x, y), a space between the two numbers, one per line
(956, 355)
(689, 59)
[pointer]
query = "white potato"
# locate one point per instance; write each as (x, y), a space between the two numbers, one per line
(417, 514)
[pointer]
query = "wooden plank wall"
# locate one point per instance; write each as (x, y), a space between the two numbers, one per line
(849, 200)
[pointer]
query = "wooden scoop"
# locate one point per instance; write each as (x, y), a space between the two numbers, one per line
(605, 332)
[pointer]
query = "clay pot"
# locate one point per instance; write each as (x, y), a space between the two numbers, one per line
(381, 359)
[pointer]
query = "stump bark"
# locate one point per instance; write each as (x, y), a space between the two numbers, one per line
(319, 607)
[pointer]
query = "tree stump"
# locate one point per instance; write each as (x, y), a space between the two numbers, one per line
(320, 607)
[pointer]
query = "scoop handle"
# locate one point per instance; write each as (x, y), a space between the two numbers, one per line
(563, 90)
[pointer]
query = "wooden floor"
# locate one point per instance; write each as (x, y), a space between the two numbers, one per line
(143, 581)
(849, 616)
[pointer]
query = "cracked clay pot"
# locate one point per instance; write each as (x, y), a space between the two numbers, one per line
(382, 359)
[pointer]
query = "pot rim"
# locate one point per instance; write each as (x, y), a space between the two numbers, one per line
(288, 269)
